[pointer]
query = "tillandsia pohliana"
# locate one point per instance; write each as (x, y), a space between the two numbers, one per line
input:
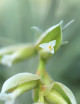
(45, 89)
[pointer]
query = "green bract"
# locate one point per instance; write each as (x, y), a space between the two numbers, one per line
(53, 33)
(17, 85)
(20, 80)
(19, 54)
(11, 49)
(58, 93)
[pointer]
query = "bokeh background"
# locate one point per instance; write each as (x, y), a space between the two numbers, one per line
(16, 19)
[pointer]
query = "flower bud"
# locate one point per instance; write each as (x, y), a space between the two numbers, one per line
(11, 49)
(58, 93)
(18, 55)
(19, 84)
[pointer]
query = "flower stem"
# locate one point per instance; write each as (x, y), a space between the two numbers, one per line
(41, 65)
(43, 73)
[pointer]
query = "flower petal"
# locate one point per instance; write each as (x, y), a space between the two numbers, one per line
(52, 51)
(53, 43)
(44, 46)
(7, 59)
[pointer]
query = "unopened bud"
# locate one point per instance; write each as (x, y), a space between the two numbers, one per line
(17, 85)
(58, 93)
(19, 55)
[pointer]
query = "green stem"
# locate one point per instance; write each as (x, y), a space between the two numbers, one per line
(41, 97)
(43, 73)
(41, 65)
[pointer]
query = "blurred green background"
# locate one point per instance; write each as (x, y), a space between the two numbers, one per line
(16, 19)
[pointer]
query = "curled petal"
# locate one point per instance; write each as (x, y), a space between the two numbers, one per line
(44, 46)
(53, 43)
(52, 51)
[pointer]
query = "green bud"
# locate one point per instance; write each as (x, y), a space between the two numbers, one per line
(20, 80)
(58, 93)
(19, 55)
(55, 97)
(17, 85)
(11, 49)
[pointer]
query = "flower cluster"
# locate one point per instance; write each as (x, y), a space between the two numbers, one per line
(45, 90)
(54, 93)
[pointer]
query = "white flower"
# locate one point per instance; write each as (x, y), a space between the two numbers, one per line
(8, 98)
(48, 46)
(8, 59)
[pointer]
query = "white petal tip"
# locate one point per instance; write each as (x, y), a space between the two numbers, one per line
(7, 60)
(8, 98)
(49, 47)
